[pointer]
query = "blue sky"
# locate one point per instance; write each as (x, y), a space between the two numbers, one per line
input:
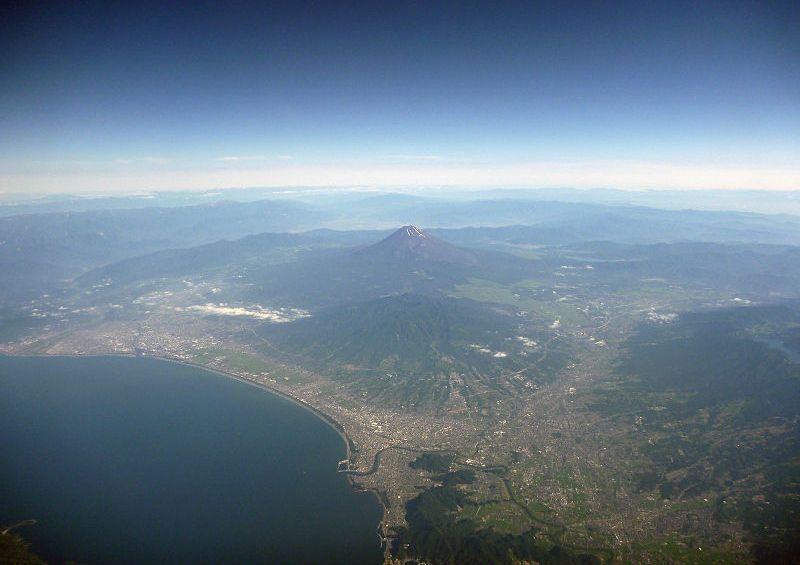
(136, 96)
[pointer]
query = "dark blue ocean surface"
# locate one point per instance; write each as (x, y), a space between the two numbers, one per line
(125, 460)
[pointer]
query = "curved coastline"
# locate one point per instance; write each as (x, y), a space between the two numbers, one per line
(326, 418)
(384, 539)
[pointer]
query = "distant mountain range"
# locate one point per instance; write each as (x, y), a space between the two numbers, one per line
(42, 252)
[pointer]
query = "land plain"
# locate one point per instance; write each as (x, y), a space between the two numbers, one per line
(520, 380)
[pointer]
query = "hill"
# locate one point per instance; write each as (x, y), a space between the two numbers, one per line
(404, 348)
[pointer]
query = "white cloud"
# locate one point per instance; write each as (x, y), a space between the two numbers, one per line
(403, 157)
(238, 158)
(127, 161)
(235, 158)
(278, 315)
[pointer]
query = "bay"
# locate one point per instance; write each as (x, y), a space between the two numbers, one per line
(132, 460)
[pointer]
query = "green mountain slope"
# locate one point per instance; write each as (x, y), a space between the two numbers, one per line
(412, 350)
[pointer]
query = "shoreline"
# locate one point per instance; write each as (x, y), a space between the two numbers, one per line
(326, 418)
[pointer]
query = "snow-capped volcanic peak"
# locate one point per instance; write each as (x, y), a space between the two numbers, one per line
(413, 231)
(409, 243)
